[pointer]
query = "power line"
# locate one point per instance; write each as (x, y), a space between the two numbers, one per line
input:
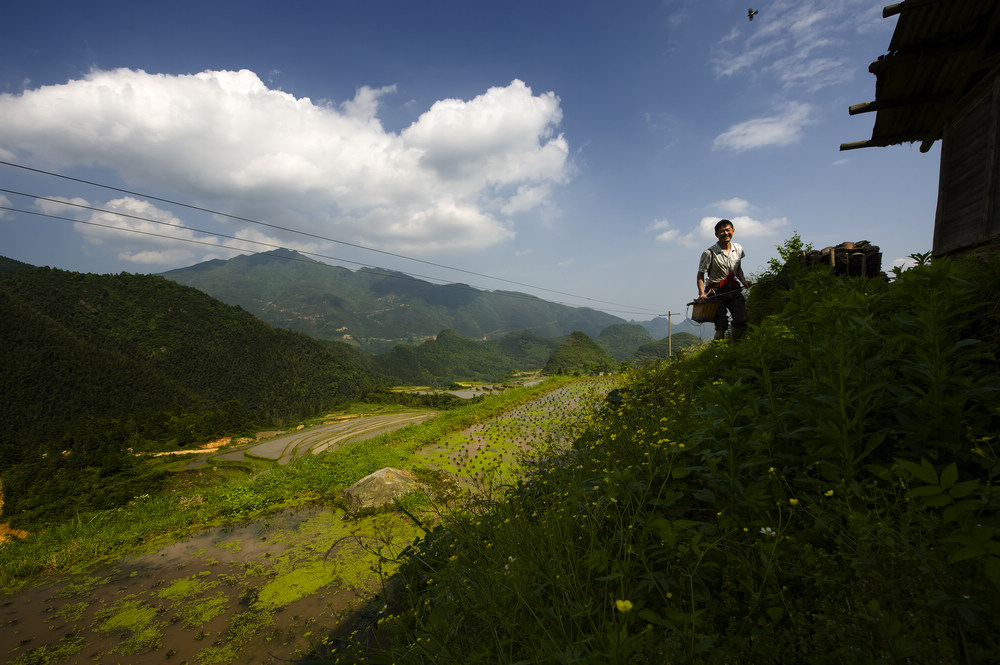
(631, 309)
(373, 269)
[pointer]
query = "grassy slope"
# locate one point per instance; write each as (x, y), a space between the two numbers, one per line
(821, 493)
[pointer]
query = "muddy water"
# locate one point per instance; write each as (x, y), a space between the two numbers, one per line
(261, 593)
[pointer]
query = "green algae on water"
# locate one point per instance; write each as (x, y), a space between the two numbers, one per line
(135, 621)
(297, 583)
(242, 628)
(73, 611)
(204, 610)
(49, 654)
(185, 587)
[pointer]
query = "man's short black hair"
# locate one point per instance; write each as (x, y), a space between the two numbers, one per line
(721, 223)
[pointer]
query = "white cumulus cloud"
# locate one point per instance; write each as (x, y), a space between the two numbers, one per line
(224, 139)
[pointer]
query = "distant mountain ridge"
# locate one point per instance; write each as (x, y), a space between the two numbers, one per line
(376, 309)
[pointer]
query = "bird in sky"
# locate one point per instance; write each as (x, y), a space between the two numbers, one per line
(751, 13)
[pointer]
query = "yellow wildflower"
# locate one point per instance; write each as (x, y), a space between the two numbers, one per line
(624, 606)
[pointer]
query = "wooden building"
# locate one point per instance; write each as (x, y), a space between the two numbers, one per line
(940, 79)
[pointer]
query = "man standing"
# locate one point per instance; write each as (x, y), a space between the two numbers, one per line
(722, 262)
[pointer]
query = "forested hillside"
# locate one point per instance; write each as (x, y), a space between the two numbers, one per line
(579, 354)
(96, 364)
(376, 309)
(451, 357)
(622, 339)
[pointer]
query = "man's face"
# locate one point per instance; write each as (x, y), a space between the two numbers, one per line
(725, 233)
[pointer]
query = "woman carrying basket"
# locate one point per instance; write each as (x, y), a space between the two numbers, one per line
(722, 262)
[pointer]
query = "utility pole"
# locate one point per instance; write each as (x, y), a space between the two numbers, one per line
(670, 334)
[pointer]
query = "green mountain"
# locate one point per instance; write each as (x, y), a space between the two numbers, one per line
(376, 309)
(448, 357)
(451, 357)
(525, 349)
(623, 339)
(578, 353)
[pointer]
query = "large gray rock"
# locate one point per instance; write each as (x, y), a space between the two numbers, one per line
(379, 489)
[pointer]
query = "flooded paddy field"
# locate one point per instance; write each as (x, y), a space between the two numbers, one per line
(261, 592)
(540, 427)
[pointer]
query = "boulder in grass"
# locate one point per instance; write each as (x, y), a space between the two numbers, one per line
(379, 489)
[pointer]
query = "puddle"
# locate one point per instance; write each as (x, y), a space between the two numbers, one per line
(263, 592)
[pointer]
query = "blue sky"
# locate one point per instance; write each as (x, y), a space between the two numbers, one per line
(576, 150)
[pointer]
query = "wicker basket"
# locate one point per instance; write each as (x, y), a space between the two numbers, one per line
(703, 312)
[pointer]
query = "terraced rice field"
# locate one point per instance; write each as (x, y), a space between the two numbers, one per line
(269, 590)
(286, 447)
(500, 445)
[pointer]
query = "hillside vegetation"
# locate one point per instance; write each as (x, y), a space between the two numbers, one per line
(821, 492)
(579, 354)
(450, 357)
(621, 340)
(376, 309)
(95, 365)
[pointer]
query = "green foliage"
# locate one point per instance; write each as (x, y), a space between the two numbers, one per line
(788, 252)
(525, 350)
(579, 354)
(622, 340)
(770, 290)
(447, 358)
(821, 492)
(450, 357)
(11, 265)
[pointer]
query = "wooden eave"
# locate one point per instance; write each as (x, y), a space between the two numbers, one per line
(939, 50)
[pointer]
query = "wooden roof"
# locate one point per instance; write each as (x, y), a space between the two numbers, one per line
(939, 51)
